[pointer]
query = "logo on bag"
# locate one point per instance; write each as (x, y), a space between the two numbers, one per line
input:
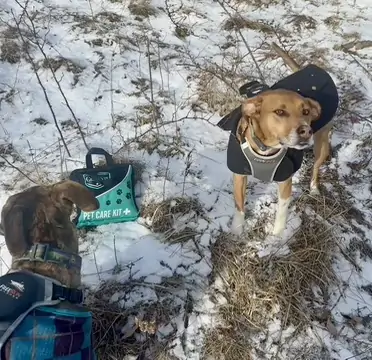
(17, 285)
(96, 182)
(15, 294)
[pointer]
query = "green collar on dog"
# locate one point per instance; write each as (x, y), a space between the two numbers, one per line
(48, 254)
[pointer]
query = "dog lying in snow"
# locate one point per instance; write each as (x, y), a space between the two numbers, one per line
(270, 130)
(41, 316)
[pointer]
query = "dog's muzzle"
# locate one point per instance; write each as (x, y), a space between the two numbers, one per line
(299, 139)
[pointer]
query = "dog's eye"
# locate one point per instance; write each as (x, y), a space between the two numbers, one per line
(305, 112)
(279, 112)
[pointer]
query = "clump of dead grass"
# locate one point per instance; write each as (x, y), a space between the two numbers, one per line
(238, 22)
(56, 63)
(216, 92)
(120, 332)
(302, 22)
(260, 289)
(163, 216)
(261, 3)
(11, 52)
(142, 8)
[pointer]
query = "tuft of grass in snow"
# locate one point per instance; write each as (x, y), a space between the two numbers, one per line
(162, 216)
(142, 9)
(300, 21)
(238, 22)
(284, 287)
(118, 332)
(217, 93)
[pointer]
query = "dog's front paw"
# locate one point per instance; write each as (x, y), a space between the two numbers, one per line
(314, 189)
(279, 225)
(278, 230)
(237, 224)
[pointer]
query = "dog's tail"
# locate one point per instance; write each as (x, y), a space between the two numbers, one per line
(291, 63)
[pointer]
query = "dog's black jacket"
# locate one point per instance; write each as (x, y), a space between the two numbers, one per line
(312, 82)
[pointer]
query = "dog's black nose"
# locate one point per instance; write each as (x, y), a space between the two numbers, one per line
(304, 131)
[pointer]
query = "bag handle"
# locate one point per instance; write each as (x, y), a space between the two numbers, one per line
(97, 151)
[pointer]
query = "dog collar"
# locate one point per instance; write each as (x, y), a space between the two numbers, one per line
(263, 167)
(258, 142)
(48, 254)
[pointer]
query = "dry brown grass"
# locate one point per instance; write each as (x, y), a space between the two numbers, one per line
(163, 215)
(300, 22)
(142, 8)
(140, 323)
(261, 3)
(258, 290)
(238, 22)
(216, 92)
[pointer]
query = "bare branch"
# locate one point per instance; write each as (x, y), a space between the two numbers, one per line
(34, 68)
(290, 62)
(36, 42)
(222, 4)
(18, 169)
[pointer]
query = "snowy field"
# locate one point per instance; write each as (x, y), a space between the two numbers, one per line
(147, 80)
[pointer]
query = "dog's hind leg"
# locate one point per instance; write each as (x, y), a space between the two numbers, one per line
(322, 150)
(284, 199)
(240, 188)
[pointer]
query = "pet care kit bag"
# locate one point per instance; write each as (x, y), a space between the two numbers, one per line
(112, 185)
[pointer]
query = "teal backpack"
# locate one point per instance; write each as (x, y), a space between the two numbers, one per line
(112, 185)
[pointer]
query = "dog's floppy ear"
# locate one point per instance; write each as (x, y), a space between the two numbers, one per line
(315, 109)
(252, 107)
(251, 110)
(75, 193)
(13, 229)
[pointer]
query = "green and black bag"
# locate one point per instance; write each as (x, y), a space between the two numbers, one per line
(112, 185)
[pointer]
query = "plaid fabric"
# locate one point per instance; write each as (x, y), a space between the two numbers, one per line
(49, 333)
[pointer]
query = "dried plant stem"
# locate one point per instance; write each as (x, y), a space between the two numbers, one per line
(34, 69)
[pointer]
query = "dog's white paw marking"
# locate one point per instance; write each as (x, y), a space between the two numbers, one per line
(237, 224)
(279, 226)
(314, 190)
(281, 216)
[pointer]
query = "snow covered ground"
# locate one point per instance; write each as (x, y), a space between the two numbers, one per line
(148, 81)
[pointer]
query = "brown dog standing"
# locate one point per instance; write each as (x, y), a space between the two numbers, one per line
(280, 118)
(270, 131)
(42, 241)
